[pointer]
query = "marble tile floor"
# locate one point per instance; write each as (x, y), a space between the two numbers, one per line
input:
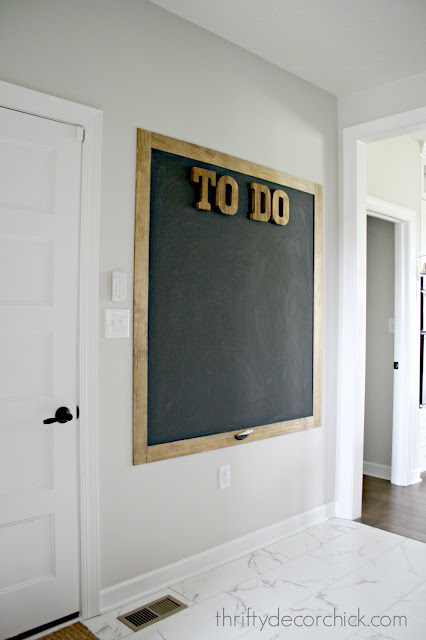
(314, 584)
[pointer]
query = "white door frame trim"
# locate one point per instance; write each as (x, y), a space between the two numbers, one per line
(352, 303)
(43, 105)
(404, 469)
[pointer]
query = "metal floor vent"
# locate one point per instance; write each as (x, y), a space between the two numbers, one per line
(151, 612)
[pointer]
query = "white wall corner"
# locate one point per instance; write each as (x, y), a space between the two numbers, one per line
(124, 592)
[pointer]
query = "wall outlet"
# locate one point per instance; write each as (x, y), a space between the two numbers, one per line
(224, 476)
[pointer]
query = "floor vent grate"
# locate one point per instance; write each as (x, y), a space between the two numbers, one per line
(151, 612)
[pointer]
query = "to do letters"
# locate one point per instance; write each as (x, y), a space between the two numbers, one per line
(264, 204)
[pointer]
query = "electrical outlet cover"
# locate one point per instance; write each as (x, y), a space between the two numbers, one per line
(225, 476)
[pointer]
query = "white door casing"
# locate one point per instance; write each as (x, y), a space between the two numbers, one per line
(50, 107)
(40, 169)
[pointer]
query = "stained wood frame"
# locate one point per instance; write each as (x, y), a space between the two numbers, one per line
(143, 453)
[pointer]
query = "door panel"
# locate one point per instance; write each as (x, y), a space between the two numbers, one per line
(36, 561)
(33, 447)
(30, 260)
(40, 166)
(35, 166)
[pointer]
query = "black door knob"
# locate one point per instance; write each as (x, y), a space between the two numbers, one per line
(62, 415)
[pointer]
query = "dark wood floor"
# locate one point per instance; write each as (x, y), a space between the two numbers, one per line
(401, 510)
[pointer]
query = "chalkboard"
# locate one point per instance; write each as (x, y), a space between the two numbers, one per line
(227, 308)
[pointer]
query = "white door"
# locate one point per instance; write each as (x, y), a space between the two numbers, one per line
(40, 167)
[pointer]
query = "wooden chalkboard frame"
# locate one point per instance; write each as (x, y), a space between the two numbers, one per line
(142, 453)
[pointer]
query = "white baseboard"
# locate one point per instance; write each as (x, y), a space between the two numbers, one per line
(377, 470)
(384, 472)
(125, 592)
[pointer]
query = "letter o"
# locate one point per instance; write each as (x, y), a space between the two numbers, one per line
(278, 195)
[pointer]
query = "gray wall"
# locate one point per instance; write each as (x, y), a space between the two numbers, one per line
(146, 68)
(379, 344)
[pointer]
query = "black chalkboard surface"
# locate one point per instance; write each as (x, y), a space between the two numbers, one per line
(231, 310)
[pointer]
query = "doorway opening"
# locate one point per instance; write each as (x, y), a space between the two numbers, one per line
(352, 333)
(394, 508)
(379, 364)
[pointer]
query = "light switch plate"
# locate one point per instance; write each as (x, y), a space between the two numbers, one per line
(117, 323)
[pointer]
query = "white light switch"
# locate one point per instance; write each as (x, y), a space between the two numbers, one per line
(119, 286)
(117, 323)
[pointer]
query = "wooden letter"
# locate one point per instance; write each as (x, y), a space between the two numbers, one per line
(205, 175)
(232, 208)
(256, 202)
(277, 196)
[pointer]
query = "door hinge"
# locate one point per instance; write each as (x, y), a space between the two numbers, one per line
(396, 365)
(79, 134)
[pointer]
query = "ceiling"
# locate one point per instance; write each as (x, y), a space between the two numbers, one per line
(339, 45)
